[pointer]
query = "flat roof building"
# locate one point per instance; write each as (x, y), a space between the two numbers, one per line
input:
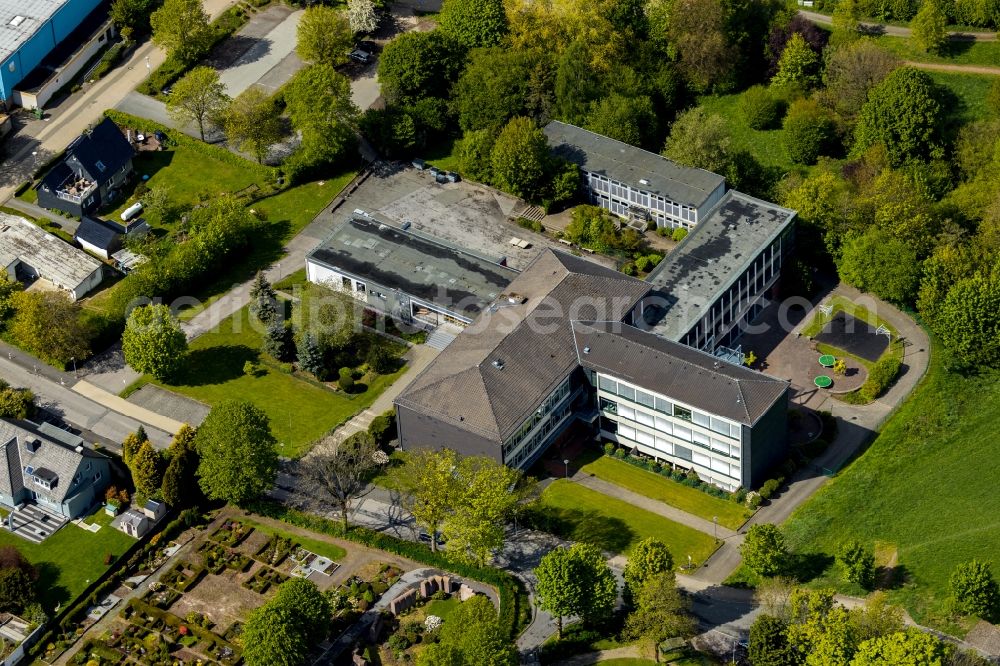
(635, 183)
(412, 277)
(717, 275)
(27, 252)
(32, 29)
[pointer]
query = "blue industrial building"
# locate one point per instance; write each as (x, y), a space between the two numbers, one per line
(30, 30)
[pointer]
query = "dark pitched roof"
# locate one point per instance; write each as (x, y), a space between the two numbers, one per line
(675, 370)
(96, 233)
(53, 459)
(620, 161)
(498, 369)
(102, 151)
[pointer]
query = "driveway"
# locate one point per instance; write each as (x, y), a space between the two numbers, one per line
(260, 46)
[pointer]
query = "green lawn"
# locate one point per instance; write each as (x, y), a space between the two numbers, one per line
(69, 560)
(297, 206)
(443, 155)
(301, 411)
(442, 607)
(328, 550)
(923, 488)
(670, 492)
(768, 146)
(969, 91)
(189, 176)
(573, 512)
(954, 53)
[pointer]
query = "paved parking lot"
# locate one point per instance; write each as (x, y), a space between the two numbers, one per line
(262, 51)
(469, 215)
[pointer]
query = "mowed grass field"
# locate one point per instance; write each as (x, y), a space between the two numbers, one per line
(670, 492)
(580, 514)
(953, 53)
(301, 411)
(71, 559)
(926, 488)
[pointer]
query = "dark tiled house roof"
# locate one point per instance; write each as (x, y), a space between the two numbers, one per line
(498, 369)
(678, 371)
(97, 234)
(26, 445)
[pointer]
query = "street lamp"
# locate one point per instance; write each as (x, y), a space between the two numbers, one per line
(566, 462)
(148, 66)
(73, 358)
(715, 529)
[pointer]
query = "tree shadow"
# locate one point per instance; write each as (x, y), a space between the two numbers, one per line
(892, 578)
(606, 532)
(238, 50)
(807, 566)
(50, 593)
(215, 365)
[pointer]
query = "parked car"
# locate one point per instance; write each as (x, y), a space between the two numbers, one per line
(361, 56)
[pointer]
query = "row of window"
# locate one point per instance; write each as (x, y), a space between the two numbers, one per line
(645, 399)
(543, 410)
(540, 437)
(687, 435)
(662, 446)
(642, 198)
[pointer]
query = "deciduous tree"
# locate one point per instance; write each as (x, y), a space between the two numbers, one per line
(474, 23)
(930, 26)
(17, 590)
(324, 36)
(488, 498)
(575, 581)
(648, 558)
(198, 97)
(181, 28)
(852, 70)
(520, 159)
(286, 628)
(661, 612)
(130, 17)
(769, 642)
(878, 263)
(809, 131)
(318, 99)
(905, 648)
(969, 320)
(419, 64)
(362, 16)
(431, 490)
(628, 119)
(903, 113)
(471, 636)
(798, 65)
(696, 29)
(50, 325)
(153, 342)
(252, 123)
(342, 474)
(763, 550)
(858, 563)
(238, 456)
(699, 139)
(975, 589)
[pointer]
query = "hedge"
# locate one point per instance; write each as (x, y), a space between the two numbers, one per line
(182, 139)
(108, 60)
(515, 611)
(880, 376)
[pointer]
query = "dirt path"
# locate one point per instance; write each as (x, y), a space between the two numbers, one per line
(899, 31)
(961, 69)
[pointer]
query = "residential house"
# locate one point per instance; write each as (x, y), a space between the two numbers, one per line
(104, 237)
(29, 253)
(50, 467)
(96, 165)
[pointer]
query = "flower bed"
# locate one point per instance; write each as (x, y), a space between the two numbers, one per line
(170, 630)
(161, 596)
(231, 533)
(275, 550)
(218, 558)
(263, 579)
(183, 576)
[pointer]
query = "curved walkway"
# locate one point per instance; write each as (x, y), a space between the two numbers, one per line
(958, 69)
(899, 31)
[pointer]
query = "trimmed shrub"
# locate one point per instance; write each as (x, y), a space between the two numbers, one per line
(880, 377)
(760, 108)
(809, 131)
(678, 234)
(345, 379)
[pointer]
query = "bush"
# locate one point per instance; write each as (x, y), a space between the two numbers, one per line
(678, 234)
(975, 589)
(880, 377)
(108, 60)
(609, 448)
(346, 380)
(383, 428)
(769, 488)
(533, 225)
(760, 108)
(809, 131)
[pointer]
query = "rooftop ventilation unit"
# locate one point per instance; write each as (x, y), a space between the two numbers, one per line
(586, 350)
(515, 299)
(32, 445)
(643, 181)
(498, 364)
(16, 21)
